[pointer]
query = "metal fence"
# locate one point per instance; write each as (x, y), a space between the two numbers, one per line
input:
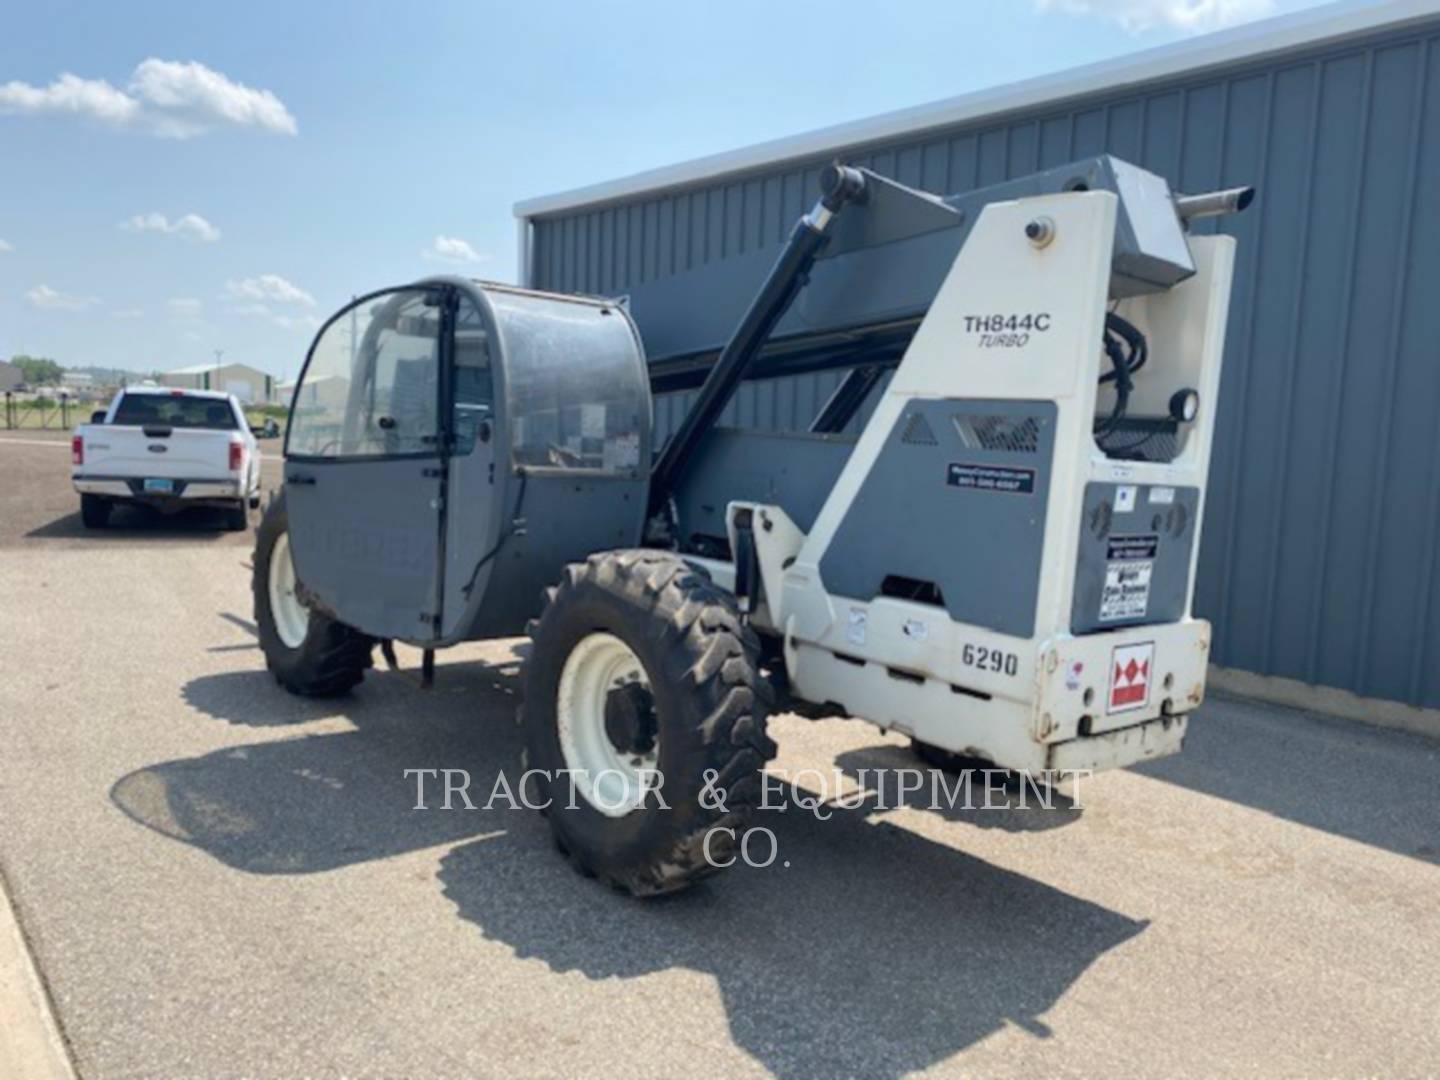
(42, 413)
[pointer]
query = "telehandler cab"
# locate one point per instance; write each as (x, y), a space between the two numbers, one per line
(1000, 565)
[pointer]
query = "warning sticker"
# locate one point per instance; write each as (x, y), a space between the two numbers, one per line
(855, 627)
(1130, 670)
(621, 452)
(1130, 562)
(1129, 548)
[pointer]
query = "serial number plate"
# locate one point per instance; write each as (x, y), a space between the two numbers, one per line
(162, 486)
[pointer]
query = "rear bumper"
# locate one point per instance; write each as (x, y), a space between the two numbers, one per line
(1116, 749)
(1080, 695)
(1058, 715)
(133, 488)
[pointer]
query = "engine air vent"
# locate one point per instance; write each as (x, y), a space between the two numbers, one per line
(1004, 434)
(917, 431)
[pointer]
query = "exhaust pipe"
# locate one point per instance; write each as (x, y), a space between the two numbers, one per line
(1213, 203)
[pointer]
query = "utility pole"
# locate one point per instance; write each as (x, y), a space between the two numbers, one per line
(218, 354)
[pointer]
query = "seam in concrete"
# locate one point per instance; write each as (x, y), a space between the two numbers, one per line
(1377, 712)
(31, 1045)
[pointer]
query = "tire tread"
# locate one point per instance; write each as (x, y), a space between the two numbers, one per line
(715, 657)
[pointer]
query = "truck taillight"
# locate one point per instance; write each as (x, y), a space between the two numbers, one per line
(237, 452)
(77, 450)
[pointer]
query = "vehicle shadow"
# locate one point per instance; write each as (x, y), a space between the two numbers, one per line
(863, 949)
(139, 523)
(319, 801)
(1013, 806)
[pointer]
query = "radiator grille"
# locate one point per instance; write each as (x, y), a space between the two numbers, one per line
(1141, 439)
(917, 431)
(1005, 434)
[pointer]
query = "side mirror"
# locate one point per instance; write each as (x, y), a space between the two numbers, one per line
(98, 416)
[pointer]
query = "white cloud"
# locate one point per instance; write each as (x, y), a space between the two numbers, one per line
(452, 249)
(192, 97)
(44, 297)
(184, 307)
(168, 98)
(71, 94)
(127, 313)
(191, 226)
(4, 247)
(1189, 16)
(269, 287)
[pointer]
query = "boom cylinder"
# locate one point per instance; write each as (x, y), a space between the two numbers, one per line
(840, 184)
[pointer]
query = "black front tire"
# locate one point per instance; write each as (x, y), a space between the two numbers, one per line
(94, 511)
(710, 706)
(332, 658)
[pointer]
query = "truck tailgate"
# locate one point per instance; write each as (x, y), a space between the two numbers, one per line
(161, 452)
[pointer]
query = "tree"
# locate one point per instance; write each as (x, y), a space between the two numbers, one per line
(37, 370)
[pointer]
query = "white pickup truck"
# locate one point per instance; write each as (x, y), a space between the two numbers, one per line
(168, 449)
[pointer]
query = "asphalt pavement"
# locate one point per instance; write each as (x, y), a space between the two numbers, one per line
(218, 879)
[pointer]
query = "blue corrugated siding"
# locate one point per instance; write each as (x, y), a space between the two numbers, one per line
(1322, 539)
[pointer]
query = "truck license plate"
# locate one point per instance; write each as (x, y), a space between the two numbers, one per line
(162, 486)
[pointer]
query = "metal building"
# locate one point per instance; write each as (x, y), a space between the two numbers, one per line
(1319, 560)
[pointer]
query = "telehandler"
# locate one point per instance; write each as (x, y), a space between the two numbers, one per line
(1000, 565)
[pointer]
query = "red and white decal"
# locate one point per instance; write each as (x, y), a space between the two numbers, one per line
(1130, 670)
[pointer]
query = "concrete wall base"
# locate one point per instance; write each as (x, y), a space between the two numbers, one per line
(1326, 699)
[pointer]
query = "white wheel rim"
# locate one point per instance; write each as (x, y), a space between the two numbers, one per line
(292, 618)
(612, 780)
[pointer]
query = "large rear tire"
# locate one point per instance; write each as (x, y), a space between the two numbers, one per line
(308, 652)
(640, 663)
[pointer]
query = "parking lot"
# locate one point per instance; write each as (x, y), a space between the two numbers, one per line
(217, 878)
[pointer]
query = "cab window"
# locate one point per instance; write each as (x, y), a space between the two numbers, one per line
(474, 389)
(371, 386)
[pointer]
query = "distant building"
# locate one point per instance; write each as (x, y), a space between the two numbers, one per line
(325, 393)
(10, 376)
(250, 385)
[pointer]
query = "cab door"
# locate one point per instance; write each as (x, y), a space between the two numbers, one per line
(363, 464)
(472, 527)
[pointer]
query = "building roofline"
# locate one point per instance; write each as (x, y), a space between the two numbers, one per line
(200, 369)
(1278, 35)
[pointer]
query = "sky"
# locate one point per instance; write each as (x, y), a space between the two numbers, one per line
(181, 178)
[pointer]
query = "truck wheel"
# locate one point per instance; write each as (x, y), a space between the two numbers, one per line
(237, 518)
(309, 653)
(642, 674)
(94, 511)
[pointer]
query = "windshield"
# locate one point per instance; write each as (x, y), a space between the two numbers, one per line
(176, 411)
